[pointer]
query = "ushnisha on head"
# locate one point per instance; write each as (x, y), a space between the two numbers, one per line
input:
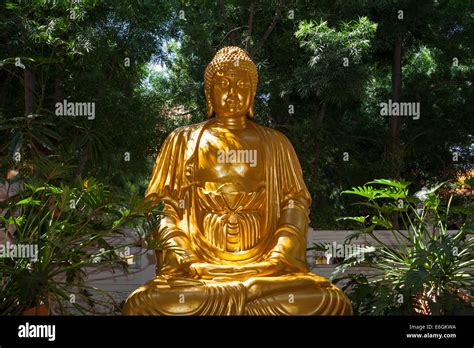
(230, 83)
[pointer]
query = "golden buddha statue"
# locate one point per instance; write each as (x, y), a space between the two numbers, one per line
(236, 205)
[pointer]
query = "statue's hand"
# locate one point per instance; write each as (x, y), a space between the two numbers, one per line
(264, 268)
(202, 270)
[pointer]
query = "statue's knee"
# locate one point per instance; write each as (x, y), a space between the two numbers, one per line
(309, 298)
(137, 303)
(155, 298)
(316, 301)
(331, 301)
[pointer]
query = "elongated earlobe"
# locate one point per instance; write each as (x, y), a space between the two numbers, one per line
(210, 110)
(251, 111)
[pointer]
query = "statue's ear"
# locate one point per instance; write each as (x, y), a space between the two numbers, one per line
(251, 111)
(210, 110)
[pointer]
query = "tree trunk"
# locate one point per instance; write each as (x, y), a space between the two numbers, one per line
(83, 158)
(59, 92)
(30, 91)
(321, 113)
(395, 121)
(4, 89)
(269, 30)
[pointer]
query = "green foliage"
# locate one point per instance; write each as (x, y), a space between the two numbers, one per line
(428, 269)
(336, 57)
(78, 51)
(73, 228)
(87, 51)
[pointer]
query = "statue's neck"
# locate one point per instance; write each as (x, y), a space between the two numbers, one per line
(237, 122)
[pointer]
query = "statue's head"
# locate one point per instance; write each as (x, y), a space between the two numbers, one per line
(230, 83)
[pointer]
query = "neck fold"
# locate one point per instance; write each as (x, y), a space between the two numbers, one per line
(237, 122)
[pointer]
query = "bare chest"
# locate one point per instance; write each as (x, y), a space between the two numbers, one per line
(230, 160)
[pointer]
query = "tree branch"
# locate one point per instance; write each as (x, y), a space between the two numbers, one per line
(269, 30)
(228, 33)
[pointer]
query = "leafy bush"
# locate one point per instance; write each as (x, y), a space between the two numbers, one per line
(429, 270)
(73, 228)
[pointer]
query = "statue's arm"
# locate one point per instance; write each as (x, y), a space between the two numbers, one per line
(288, 253)
(291, 235)
(295, 200)
(178, 254)
(167, 185)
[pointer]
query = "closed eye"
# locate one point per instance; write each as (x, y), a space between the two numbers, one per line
(242, 84)
(223, 82)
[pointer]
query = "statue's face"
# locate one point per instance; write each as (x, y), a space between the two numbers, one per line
(231, 93)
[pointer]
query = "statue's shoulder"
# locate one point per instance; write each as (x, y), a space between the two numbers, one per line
(187, 131)
(272, 133)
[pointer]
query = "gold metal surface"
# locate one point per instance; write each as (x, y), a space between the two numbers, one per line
(237, 206)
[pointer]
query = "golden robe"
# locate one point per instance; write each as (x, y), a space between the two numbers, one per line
(196, 221)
